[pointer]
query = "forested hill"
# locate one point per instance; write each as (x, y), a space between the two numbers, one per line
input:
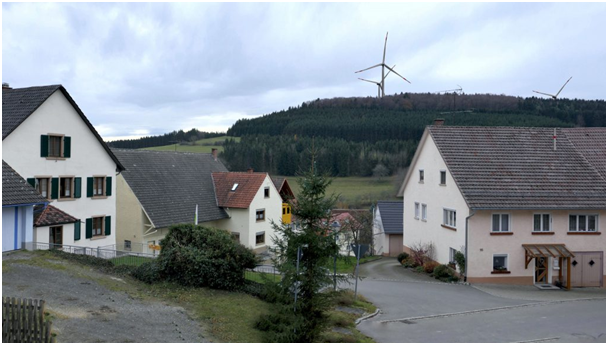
(354, 136)
(165, 139)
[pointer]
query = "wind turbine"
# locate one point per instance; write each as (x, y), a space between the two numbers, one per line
(557, 94)
(377, 83)
(383, 65)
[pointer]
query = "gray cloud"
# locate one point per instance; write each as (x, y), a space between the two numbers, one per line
(138, 68)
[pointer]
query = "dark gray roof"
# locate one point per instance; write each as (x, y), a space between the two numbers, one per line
(591, 143)
(391, 213)
(517, 168)
(16, 191)
(19, 104)
(170, 184)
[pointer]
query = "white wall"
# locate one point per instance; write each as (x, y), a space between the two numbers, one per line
(381, 244)
(24, 216)
(41, 234)
(21, 150)
(436, 197)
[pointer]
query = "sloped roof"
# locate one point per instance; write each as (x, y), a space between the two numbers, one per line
(51, 215)
(16, 191)
(169, 185)
(591, 143)
(517, 168)
(19, 104)
(391, 214)
(282, 185)
(241, 197)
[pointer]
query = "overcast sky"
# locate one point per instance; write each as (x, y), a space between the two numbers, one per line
(144, 69)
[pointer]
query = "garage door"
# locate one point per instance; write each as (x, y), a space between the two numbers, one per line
(587, 269)
(395, 245)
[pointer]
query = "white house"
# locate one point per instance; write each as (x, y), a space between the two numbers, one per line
(525, 205)
(388, 228)
(48, 140)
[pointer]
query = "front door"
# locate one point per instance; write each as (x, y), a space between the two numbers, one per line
(395, 245)
(541, 270)
(587, 270)
(56, 236)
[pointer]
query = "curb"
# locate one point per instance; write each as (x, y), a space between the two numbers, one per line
(365, 317)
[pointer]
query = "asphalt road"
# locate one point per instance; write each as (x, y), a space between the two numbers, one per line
(416, 308)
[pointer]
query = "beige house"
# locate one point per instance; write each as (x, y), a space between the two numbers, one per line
(525, 205)
(160, 189)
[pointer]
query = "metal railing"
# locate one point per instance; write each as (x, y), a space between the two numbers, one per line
(261, 274)
(118, 257)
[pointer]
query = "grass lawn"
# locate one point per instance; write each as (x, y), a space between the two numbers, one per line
(202, 146)
(261, 277)
(340, 319)
(347, 264)
(356, 191)
(130, 260)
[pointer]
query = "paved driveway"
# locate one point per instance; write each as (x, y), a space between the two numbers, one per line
(417, 308)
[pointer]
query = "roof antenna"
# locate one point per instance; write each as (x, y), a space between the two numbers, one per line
(554, 139)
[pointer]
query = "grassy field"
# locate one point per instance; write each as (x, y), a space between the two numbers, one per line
(201, 146)
(130, 260)
(347, 264)
(357, 192)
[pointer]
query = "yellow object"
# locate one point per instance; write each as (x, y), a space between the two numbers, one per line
(154, 246)
(286, 213)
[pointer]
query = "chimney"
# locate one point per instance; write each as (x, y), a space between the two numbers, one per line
(250, 171)
(6, 86)
(438, 122)
(554, 139)
(214, 153)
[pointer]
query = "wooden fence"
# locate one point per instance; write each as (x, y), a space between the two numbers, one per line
(23, 321)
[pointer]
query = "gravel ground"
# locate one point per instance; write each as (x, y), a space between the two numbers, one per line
(86, 311)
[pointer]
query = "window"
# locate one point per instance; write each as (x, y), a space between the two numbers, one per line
(423, 211)
(449, 217)
(421, 172)
(416, 210)
(127, 245)
(236, 237)
(260, 237)
(55, 146)
(442, 177)
(97, 226)
(99, 186)
(583, 222)
(66, 187)
(267, 192)
(260, 215)
(542, 222)
(500, 262)
(452, 255)
(43, 186)
(234, 186)
(500, 223)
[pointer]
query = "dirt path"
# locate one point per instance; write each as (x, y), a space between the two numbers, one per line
(86, 310)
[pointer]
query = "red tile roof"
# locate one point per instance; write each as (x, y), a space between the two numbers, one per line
(51, 215)
(241, 197)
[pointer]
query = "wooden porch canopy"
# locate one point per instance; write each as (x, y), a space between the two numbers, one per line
(545, 251)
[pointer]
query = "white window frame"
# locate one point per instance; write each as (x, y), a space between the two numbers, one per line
(263, 210)
(500, 229)
(260, 233)
(506, 256)
(416, 210)
(447, 219)
(452, 255)
(48, 185)
(444, 174)
(61, 185)
(423, 212)
(542, 222)
(420, 175)
(587, 215)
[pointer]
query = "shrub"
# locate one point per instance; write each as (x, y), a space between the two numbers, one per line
(409, 262)
(445, 273)
(419, 269)
(429, 266)
(193, 255)
(460, 261)
(422, 253)
(147, 272)
(402, 257)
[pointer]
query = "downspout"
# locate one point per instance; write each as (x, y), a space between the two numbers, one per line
(466, 245)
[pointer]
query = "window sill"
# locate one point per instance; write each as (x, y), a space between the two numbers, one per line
(424, 220)
(99, 197)
(100, 237)
(442, 184)
(55, 158)
(501, 233)
(66, 199)
(584, 233)
(260, 220)
(448, 227)
(500, 272)
(421, 182)
(543, 232)
(417, 218)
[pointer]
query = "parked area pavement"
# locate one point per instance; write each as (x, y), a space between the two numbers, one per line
(417, 308)
(85, 310)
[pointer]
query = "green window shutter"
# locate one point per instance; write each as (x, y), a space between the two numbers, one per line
(89, 228)
(89, 187)
(77, 230)
(67, 147)
(44, 145)
(32, 181)
(55, 188)
(77, 187)
(108, 224)
(108, 185)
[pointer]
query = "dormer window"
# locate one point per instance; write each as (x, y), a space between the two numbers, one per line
(55, 146)
(234, 187)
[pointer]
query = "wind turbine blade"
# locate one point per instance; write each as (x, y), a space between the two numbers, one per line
(392, 70)
(560, 90)
(374, 66)
(384, 54)
(369, 81)
(542, 93)
(389, 72)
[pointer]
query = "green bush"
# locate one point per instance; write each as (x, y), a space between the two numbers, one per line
(147, 272)
(286, 327)
(445, 273)
(460, 261)
(409, 262)
(402, 257)
(193, 255)
(419, 269)
(430, 266)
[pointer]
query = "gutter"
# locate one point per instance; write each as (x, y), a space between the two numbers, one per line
(466, 245)
(30, 204)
